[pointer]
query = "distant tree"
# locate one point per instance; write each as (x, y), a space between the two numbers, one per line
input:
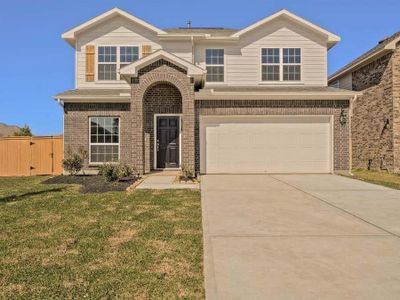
(24, 131)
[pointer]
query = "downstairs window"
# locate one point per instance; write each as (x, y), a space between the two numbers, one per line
(104, 139)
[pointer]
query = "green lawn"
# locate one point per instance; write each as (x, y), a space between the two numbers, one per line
(58, 243)
(381, 178)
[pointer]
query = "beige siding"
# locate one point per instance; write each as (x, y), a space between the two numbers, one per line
(346, 82)
(119, 32)
(243, 60)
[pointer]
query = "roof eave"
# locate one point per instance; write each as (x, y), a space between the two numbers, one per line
(71, 34)
(274, 96)
(332, 38)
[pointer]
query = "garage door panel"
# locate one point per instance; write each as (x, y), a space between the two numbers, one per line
(265, 144)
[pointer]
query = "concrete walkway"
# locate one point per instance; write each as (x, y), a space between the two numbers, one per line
(300, 237)
(164, 181)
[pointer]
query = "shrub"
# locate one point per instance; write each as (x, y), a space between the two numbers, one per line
(109, 172)
(125, 171)
(113, 172)
(73, 164)
(187, 173)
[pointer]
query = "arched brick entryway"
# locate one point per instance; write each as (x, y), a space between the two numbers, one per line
(161, 75)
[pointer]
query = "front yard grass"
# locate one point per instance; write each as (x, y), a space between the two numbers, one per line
(58, 243)
(377, 177)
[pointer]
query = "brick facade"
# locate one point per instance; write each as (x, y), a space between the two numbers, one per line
(284, 107)
(164, 88)
(376, 115)
(170, 103)
(162, 72)
(76, 126)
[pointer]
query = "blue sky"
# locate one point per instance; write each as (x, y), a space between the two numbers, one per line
(37, 63)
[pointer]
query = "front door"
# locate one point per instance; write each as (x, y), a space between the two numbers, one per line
(167, 142)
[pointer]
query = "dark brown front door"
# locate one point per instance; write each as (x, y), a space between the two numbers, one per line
(167, 142)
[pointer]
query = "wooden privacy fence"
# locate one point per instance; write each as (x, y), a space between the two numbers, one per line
(27, 156)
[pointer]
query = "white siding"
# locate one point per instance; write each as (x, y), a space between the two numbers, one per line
(120, 32)
(242, 58)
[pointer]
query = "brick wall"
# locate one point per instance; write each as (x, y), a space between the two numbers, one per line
(283, 107)
(164, 72)
(76, 125)
(162, 98)
(373, 121)
(371, 74)
(396, 109)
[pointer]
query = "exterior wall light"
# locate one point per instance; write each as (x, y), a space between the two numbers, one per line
(342, 118)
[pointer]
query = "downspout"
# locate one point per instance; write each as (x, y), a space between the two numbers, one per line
(192, 41)
(350, 135)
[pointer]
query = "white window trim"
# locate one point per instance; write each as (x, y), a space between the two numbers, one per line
(118, 62)
(293, 64)
(273, 64)
(104, 144)
(281, 64)
(214, 65)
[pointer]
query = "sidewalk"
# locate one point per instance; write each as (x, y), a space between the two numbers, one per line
(164, 181)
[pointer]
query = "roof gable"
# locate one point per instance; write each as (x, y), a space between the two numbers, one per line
(332, 39)
(133, 69)
(71, 34)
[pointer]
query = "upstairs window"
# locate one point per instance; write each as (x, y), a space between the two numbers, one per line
(128, 55)
(104, 139)
(107, 67)
(291, 64)
(215, 65)
(112, 58)
(270, 64)
(281, 64)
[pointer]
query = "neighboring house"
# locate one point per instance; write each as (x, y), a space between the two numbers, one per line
(376, 113)
(208, 100)
(8, 130)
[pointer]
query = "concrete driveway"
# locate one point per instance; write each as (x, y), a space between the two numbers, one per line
(300, 237)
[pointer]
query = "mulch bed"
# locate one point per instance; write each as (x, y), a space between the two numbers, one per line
(92, 183)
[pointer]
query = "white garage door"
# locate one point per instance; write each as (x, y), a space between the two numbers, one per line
(265, 144)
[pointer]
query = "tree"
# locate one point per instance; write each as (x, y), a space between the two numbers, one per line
(24, 131)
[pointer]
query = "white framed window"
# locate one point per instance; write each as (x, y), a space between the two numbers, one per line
(270, 64)
(107, 63)
(111, 59)
(280, 64)
(215, 65)
(104, 139)
(291, 64)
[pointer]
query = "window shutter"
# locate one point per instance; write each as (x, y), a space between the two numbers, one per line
(146, 50)
(90, 62)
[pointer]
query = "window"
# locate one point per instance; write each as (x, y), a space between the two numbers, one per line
(335, 84)
(107, 60)
(128, 55)
(112, 58)
(215, 65)
(270, 64)
(104, 139)
(291, 64)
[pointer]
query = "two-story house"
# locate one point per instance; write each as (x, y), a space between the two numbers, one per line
(209, 100)
(376, 113)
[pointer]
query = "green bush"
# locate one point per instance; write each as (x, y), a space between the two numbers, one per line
(114, 172)
(109, 172)
(73, 164)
